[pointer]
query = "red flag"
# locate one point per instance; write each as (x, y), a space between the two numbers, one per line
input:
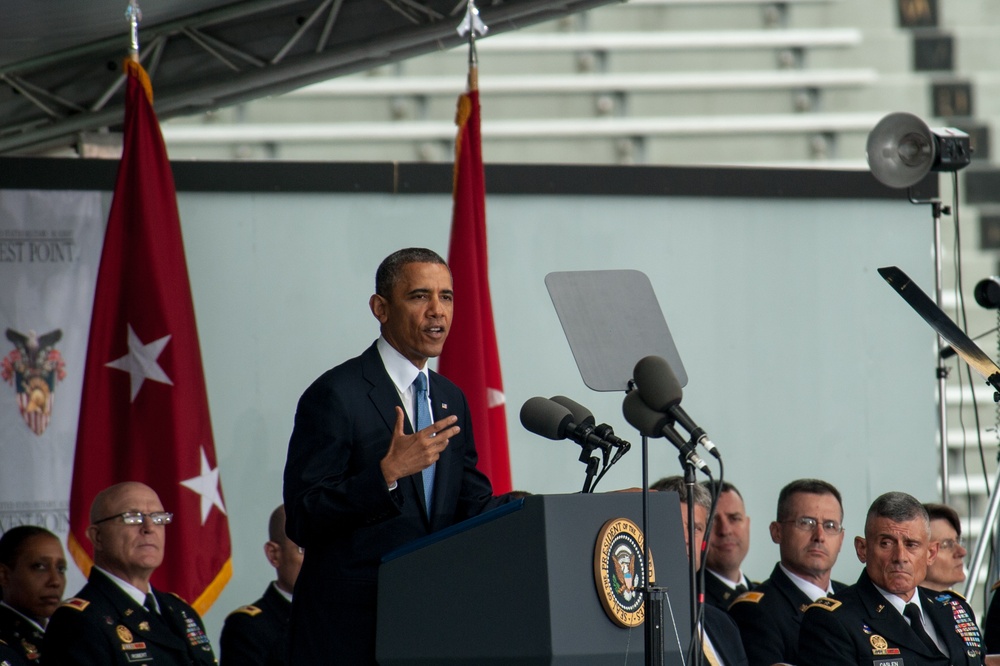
(470, 359)
(144, 414)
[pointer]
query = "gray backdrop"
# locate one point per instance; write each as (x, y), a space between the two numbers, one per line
(802, 361)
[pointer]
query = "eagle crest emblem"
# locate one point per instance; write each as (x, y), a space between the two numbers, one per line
(620, 571)
(33, 368)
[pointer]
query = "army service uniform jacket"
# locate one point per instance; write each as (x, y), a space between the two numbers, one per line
(769, 617)
(257, 635)
(858, 626)
(9, 656)
(22, 637)
(103, 626)
(719, 594)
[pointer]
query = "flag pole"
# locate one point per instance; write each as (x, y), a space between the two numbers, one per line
(133, 15)
(472, 25)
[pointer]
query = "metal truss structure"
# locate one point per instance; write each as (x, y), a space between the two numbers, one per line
(61, 75)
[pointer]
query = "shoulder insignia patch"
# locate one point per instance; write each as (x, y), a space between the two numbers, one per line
(76, 603)
(948, 595)
(826, 603)
(249, 610)
(752, 597)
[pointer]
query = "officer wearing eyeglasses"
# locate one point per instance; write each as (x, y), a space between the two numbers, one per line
(948, 568)
(118, 618)
(809, 533)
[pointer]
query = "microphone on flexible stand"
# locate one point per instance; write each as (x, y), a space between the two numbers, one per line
(659, 389)
(654, 424)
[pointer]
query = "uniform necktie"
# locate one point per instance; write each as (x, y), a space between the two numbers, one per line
(150, 603)
(912, 612)
(739, 589)
(423, 421)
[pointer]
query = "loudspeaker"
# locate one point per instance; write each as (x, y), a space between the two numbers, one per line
(902, 149)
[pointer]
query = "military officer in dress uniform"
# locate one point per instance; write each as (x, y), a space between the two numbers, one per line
(118, 618)
(727, 548)
(885, 619)
(32, 581)
(809, 532)
(257, 635)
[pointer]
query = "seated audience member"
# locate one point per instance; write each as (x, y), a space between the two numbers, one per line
(118, 617)
(32, 581)
(991, 625)
(886, 618)
(809, 534)
(728, 545)
(722, 643)
(948, 568)
(258, 634)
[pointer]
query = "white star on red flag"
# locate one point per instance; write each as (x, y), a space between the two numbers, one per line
(206, 485)
(140, 361)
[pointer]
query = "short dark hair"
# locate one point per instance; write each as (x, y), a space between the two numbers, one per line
(811, 486)
(897, 507)
(391, 268)
(715, 487)
(13, 540)
(944, 512)
(676, 484)
(276, 525)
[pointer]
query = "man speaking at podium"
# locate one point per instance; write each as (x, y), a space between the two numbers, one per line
(381, 454)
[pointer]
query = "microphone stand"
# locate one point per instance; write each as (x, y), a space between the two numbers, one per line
(689, 483)
(653, 615)
(592, 462)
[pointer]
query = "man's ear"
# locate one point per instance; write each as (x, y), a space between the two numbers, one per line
(378, 307)
(859, 548)
(775, 529)
(932, 551)
(272, 551)
(94, 534)
(4, 576)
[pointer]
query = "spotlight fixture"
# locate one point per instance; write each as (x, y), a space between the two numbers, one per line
(987, 293)
(902, 149)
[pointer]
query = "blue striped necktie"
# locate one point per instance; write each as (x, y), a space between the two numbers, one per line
(423, 421)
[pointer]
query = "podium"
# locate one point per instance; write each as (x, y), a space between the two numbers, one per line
(517, 586)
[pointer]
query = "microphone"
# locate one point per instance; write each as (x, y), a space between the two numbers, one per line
(580, 413)
(658, 387)
(651, 423)
(583, 415)
(554, 421)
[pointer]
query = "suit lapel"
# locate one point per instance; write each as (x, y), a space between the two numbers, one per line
(887, 622)
(796, 597)
(135, 623)
(385, 399)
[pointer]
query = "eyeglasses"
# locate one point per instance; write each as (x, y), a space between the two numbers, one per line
(137, 518)
(808, 524)
(950, 544)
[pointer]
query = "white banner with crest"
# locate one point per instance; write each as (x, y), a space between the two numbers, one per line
(50, 248)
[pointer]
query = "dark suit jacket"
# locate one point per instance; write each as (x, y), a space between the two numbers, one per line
(103, 626)
(9, 656)
(725, 637)
(769, 618)
(719, 594)
(257, 635)
(21, 637)
(991, 625)
(339, 509)
(858, 626)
